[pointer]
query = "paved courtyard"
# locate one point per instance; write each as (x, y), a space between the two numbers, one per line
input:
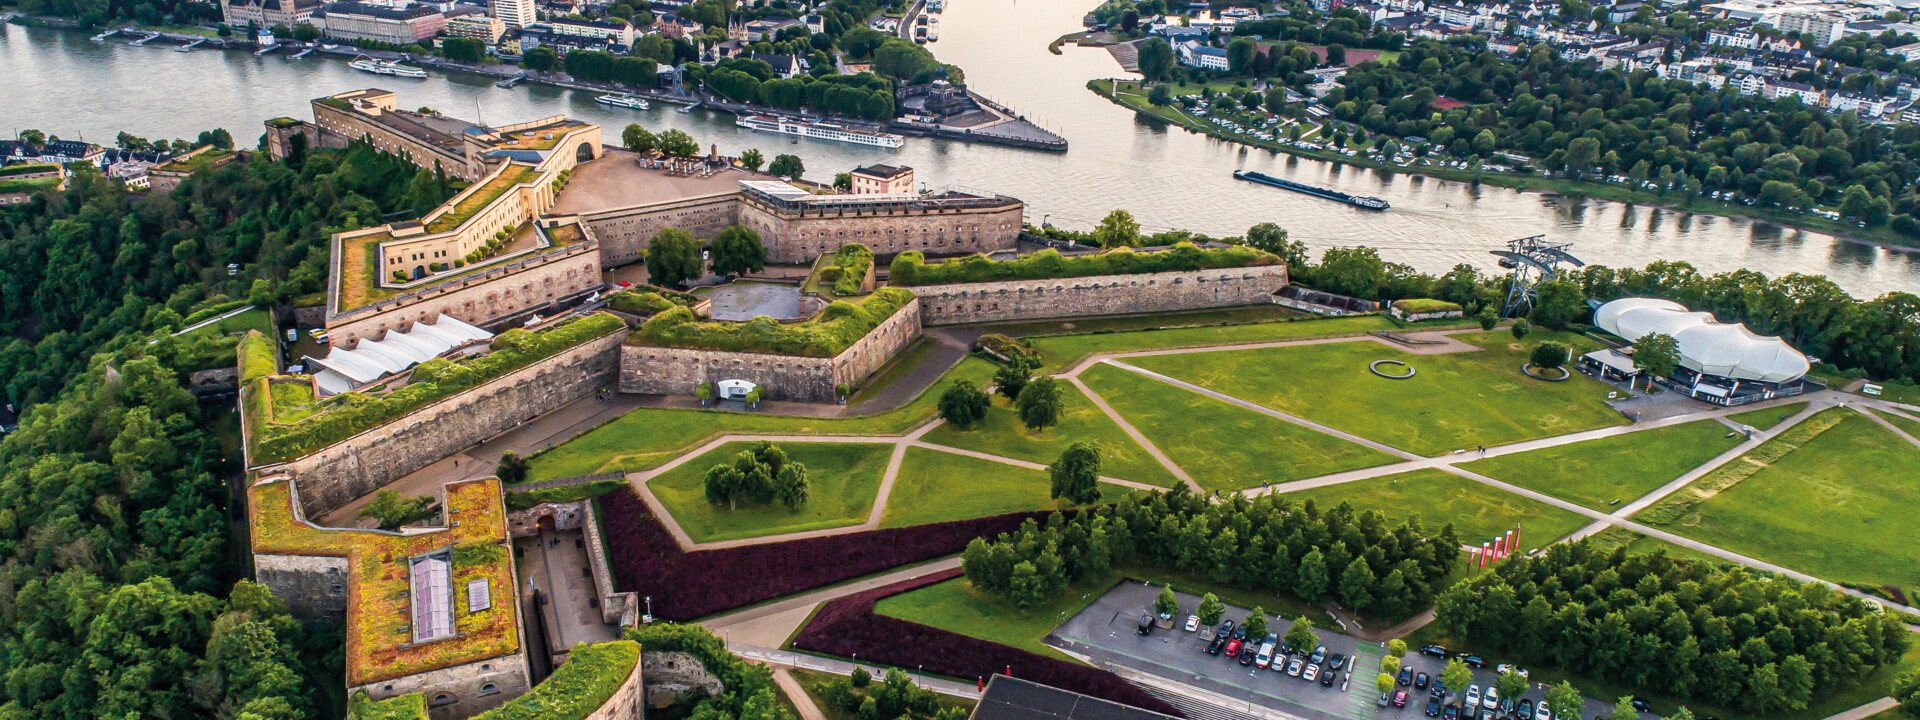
(1106, 632)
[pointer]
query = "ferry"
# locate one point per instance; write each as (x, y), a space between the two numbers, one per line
(1362, 202)
(625, 101)
(819, 130)
(385, 67)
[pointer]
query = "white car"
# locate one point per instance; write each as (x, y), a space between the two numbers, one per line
(1193, 623)
(1540, 711)
(1492, 699)
(1294, 668)
(1473, 696)
(1310, 674)
(1505, 668)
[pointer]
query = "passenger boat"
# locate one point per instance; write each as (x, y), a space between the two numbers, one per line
(1360, 201)
(625, 101)
(819, 130)
(385, 67)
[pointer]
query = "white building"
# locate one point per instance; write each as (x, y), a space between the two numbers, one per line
(1743, 39)
(515, 13)
(1193, 54)
(1824, 27)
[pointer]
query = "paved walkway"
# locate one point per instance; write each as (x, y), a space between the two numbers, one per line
(801, 700)
(843, 667)
(1868, 710)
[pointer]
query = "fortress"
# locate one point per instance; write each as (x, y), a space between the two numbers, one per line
(452, 328)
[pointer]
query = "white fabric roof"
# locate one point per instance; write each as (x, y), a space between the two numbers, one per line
(375, 359)
(1707, 346)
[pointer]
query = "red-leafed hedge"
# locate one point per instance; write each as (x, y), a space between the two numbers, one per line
(687, 586)
(849, 626)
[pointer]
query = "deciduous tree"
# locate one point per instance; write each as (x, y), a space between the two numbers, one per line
(1117, 229)
(1039, 403)
(737, 251)
(787, 166)
(673, 257)
(1210, 609)
(963, 404)
(1076, 475)
(393, 510)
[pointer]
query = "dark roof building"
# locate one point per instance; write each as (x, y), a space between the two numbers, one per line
(1010, 698)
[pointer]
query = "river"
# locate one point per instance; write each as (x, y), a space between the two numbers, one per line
(65, 84)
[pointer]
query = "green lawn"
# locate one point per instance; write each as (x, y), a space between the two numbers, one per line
(1221, 445)
(935, 486)
(1838, 507)
(649, 437)
(255, 319)
(1063, 351)
(1003, 434)
(1477, 511)
(1603, 473)
(1244, 315)
(1766, 418)
(1909, 426)
(1454, 401)
(1639, 544)
(956, 606)
(842, 478)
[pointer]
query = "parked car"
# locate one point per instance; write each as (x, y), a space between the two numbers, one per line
(1193, 623)
(1474, 661)
(1524, 711)
(1219, 641)
(1433, 707)
(1452, 712)
(1473, 695)
(1311, 673)
(1434, 651)
(1642, 705)
(1400, 698)
(1420, 681)
(1294, 668)
(1146, 624)
(1227, 629)
(1491, 699)
(1506, 706)
(1328, 678)
(1336, 661)
(1540, 712)
(1265, 656)
(1240, 633)
(1439, 689)
(1406, 676)
(1319, 654)
(1504, 668)
(1247, 651)
(1233, 647)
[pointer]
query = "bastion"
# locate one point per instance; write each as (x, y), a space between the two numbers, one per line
(1047, 285)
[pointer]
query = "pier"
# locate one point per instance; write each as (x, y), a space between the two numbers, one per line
(508, 83)
(301, 54)
(191, 45)
(267, 49)
(143, 41)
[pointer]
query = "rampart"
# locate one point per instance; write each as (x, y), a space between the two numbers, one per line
(680, 371)
(481, 298)
(796, 234)
(1099, 295)
(625, 232)
(339, 473)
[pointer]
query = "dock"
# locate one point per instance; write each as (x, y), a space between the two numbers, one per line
(267, 49)
(301, 54)
(508, 83)
(143, 41)
(103, 36)
(191, 45)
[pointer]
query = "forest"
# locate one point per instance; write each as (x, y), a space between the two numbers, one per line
(117, 587)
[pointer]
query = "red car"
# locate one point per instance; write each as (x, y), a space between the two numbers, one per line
(1233, 648)
(1400, 698)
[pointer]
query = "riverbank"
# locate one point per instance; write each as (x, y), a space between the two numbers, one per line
(1880, 237)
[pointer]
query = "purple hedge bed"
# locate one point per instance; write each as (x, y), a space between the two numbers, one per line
(848, 627)
(687, 586)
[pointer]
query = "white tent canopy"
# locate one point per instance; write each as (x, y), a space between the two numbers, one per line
(343, 370)
(1707, 346)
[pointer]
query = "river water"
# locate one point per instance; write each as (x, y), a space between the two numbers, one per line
(65, 84)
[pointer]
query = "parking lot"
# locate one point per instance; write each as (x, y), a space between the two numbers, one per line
(1107, 631)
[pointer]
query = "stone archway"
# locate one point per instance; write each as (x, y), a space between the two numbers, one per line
(583, 152)
(419, 271)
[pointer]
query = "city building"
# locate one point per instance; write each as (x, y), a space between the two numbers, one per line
(52, 151)
(485, 28)
(882, 179)
(267, 13)
(515, 13)
(615, 30)
(406, 25)
(1193, 54)
(1825, 28)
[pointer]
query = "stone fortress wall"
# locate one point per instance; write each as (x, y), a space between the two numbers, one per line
(680, 371)
(461, 691)
(793, 237)
(340, 473)
(1098, 295)
(625, 232)
(314, 587)
(514, 288)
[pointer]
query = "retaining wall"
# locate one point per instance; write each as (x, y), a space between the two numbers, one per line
(1098, 295)
(680, 371)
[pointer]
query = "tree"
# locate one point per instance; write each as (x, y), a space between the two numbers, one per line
(1457, 675)
(843, 181)
(787, 166)
(1256, 623)
(1310, 578)
(1154, 59)
(1300, 636)
(1336, 55)
(1356, 584)
(1383, 684)
(1273, 238)
(1166, 604)
(1397, 648)
(678, 144)
(1623, 708)
(638, 139)
(305, 32)
(1076, 475)
(540, 59)
(1210, 609)
(393, 510)
(1487, 317)
(1512, 685)
(1039, 403)
(1563, 700)
(1657, 355)
(1520, 328)
(1117, 229)
(1549, 355)
(791, 487)
(1240, 55)
(737, 251)
(463, 49)
(752, 159)
(963, 404)
(1159, 94)
(1012, 378)
(673, 257)
(1906, 689)
(1682, 713)
(1355, 271)
(1560, 302)
(512, 468)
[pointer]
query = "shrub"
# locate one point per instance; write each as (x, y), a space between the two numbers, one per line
(850, 265)
(212, 310)
(910, 268)
(592, 674)
(646, 558)
(639, 303)
(1008, 349)
(1549, 355)
(825, 335)
(849, 626)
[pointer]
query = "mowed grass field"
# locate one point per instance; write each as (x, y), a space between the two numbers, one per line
(1596, 473)
(1454, 401)
(1907, 426)
(1840, 507)
(935, 486)
(1002, 433)
(646, 438)
(1766, 418)
(842, 479)
(1221, 445)
(1477, 511)
(956, 606)
(1061, 352)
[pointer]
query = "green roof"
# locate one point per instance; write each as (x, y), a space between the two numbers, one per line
(824, 335)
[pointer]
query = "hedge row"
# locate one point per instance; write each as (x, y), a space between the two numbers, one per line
(849, 627)
(910, 268)
(842, 324)
(212, 310)
(850, 265)
(411, 706)
(592, 674)
(341, 416)
(686, 586)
